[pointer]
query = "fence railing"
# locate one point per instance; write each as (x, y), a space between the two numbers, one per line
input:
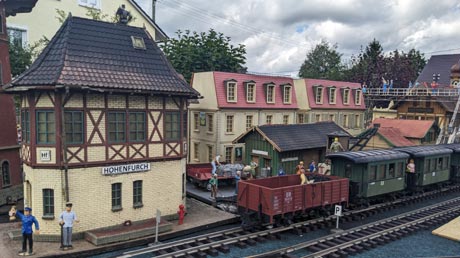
(412, 92)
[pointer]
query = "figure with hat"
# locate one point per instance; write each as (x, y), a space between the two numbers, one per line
(336, 146)
(66, 220)
(27, 221)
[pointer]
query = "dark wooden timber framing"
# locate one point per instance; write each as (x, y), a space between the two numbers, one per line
(124, 151)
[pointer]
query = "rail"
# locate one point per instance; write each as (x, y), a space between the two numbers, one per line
(221, 241)
(369, 235)
(400, 92)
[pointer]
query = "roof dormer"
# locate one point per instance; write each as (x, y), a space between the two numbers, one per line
(332, 94)
(270, 92)
(250, 90)
(286, 92)
(345, 95)
(318, 93)
(231, 90)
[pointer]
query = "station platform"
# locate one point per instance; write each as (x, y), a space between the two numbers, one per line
(450, 230)
(200, 216)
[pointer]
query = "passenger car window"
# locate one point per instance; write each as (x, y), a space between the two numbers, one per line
(391, 170)
(400, 169)
(381, 172)
(372, 173)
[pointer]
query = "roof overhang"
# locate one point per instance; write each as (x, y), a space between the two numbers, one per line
(13, 7)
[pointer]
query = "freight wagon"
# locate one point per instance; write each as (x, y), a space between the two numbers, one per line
(278, 200)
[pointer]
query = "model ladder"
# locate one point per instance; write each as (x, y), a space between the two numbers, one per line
(450, 138)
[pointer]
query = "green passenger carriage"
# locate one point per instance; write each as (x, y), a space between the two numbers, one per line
(373, 174)
(432, 164)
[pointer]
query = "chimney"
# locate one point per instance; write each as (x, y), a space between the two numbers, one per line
(153, 9)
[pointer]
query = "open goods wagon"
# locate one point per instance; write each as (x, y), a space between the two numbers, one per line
(200, 173)
(280, 199)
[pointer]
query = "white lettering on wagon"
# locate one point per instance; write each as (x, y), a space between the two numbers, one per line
(122, 169)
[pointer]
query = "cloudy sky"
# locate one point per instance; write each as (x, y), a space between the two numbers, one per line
(278, 34)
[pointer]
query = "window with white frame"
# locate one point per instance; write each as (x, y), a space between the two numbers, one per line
(285, 119)
(332, 95)
(229, 126)
(358, 97)
(196, 150)
(228, 154)
(270, 93)
(287, 94)
(346, 96)
(345, 121)
(90, 3)
(196, 121)
(17, 36)
(319, 95)
(269, 119)
(250, 92)
(249, 119)
(231, 91)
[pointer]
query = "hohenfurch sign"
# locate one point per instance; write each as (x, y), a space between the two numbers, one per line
(122, 169)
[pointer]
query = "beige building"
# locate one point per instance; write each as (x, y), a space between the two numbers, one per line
(232, 104)
(42, 22)
(106, 137)
(336, 101)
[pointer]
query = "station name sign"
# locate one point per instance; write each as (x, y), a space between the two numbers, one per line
(123, 169)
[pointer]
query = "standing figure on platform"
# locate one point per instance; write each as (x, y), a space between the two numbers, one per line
(364, 88)
(385, 85)
(312, 167)
(213, 182)
(391, 84)
(336, 146)
(66, 220)
(27, 221)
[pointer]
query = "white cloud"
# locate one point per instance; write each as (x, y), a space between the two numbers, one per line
(278, 34)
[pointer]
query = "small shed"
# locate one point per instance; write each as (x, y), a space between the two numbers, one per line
(275, 147)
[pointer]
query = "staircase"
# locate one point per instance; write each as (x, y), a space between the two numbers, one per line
(364, 138)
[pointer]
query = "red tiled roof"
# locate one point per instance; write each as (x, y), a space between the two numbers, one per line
(339, 100)
(220, 77)
(409, 128)
(395, 137)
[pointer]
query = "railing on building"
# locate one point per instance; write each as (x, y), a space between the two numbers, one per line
(400, 92)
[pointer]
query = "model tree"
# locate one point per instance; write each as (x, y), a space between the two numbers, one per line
(193, 52)
(322, 62)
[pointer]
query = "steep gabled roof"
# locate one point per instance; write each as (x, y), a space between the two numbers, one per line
(296, 137)
(408, 128)
(100, 55)
(439, 64)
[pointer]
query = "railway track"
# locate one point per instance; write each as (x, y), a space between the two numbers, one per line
(366, 237)
(212, 244)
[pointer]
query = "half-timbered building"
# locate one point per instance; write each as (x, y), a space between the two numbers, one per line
(104, 119)
(10, 169)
